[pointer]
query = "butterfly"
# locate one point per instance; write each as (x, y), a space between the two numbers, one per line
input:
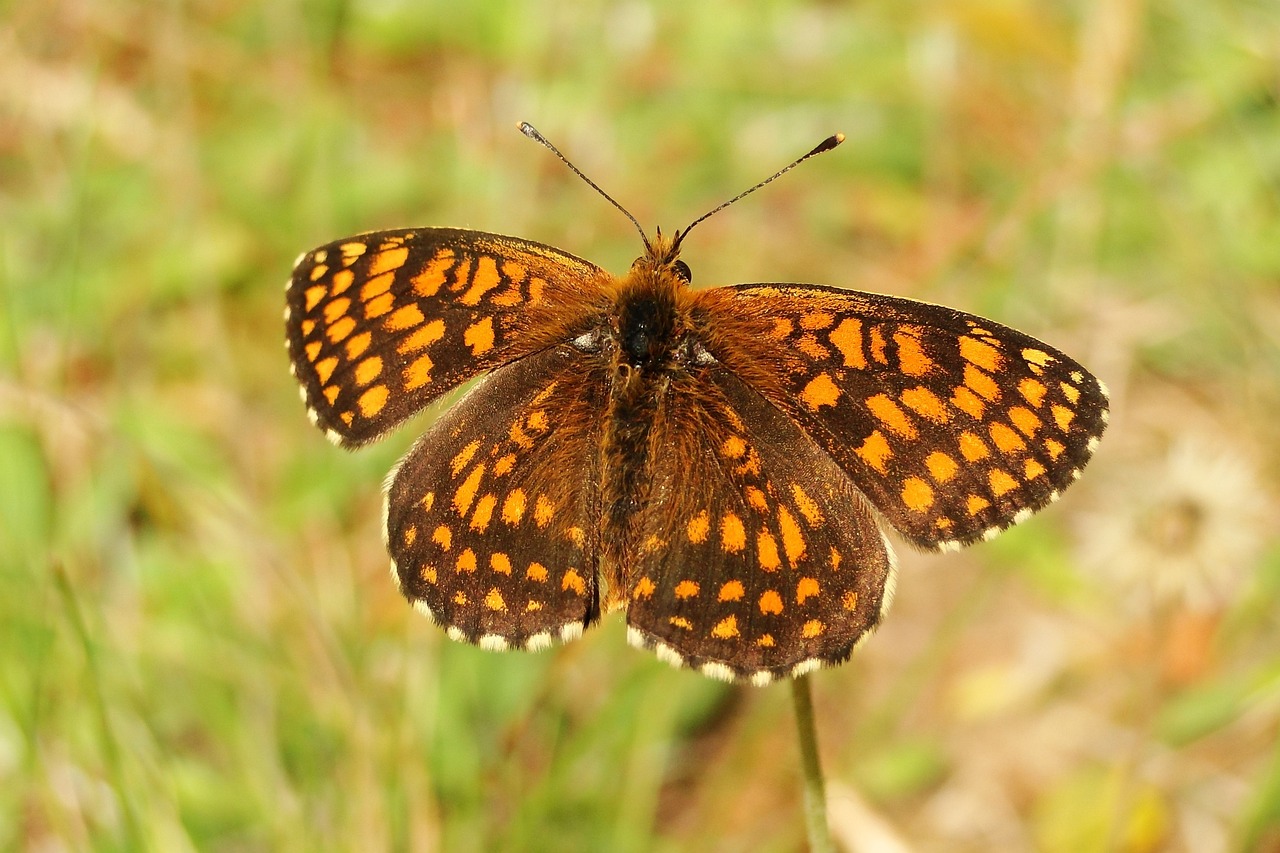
(720, 464)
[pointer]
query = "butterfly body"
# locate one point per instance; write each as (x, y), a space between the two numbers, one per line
(720, 464)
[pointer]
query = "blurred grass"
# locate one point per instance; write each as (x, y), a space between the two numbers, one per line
(199, 646)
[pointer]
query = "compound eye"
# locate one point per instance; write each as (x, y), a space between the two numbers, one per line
(683, 271)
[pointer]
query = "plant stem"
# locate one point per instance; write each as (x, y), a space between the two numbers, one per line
(815, 796)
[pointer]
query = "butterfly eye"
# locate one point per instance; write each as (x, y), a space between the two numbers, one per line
(683, 271)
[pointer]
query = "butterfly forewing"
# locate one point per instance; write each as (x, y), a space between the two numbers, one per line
(953, 426)
(762, 560)
(493, 516)
(381, 324)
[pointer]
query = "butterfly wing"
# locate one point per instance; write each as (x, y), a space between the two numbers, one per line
(953, 426)
(492, 519)
(758, 559)
(381, 324)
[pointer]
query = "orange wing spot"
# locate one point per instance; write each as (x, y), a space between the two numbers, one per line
(733, 447)
(767, 548)
(847, 338)
(878, 345)
(318, 271)
(1033, 391)
(644, 588)
(817, 320)
(836, 559)
(756, 498)
(733, 536)
(484, 513)
(493, 600)
(428, 501)
(443, 537)
(368, 370)
(924, 402)
(429, 574)
(537, 420)
(812, 628)
(731, 591)
(1037, 357)
(809, 345)
(981, 353)
(467, 561)
(698, 527)
(331, 393)
(807, 506)
(571, 580)
(875, 451)
(347, 417)
(514, 271)
(379, 305)
(849, 601)
(536, 286)
(314, 295)
(308, 326)
(351, 251)
(806, 588)
(500, 563)
(1001, 482)
(820, 391)
(372, 401)
(387, 260)
(888, 413)
(519, 436)
(972, 448)
(980, 382)
(342, 279)
(479, 336)
(976, 504)
(340, 329)
(943, 523)
(503, 466)
(460, 598)
(313, 349)
(917, 494)
(513, 506)
(782, 328)
(543, 511)
(1062, 416)
(1055, 448)
(320, 256)
(726, 628)
(464, 456)
(336, 308)
(1006, 440)
(357, 345)
(792, 538)
(536, 573)
(376, 286)
(428, 282)
(1071, 392)
(485, 279)
(577, 536)
(1025, 420)
(1032, 469)
(405, 317)
(941, 466)
(750, 466)
(765, 641)
(533, 606)
(681, 622)
(686, 589)
(911, 358)
(418, 373)
(968, 402)
(770, 602)
(467, 491)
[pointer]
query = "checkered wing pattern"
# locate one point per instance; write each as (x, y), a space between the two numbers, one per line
(492, 519)
(762, 560)
(953, 426)
(381, 324)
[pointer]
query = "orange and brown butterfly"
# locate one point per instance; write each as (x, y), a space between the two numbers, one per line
(720, 464)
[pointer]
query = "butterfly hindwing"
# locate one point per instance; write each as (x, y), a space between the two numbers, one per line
(762, 560)
(952, 425)
(379, 325)
(492, 519)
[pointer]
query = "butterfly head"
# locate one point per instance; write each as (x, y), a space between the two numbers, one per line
(661, 259)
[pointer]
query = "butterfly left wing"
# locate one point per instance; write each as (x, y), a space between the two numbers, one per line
(492, 519)
(953, 426)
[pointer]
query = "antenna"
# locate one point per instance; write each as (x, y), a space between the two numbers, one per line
(822, 147)
(532, 132)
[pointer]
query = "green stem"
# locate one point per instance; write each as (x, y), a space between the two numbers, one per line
(815, 796)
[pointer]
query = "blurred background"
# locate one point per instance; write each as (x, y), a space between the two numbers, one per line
(200, 648)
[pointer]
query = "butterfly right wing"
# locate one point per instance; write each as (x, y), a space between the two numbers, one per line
(380, 324)
(492, 519)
